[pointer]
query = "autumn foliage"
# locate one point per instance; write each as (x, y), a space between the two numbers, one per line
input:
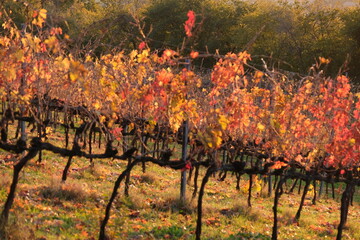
(309, 124)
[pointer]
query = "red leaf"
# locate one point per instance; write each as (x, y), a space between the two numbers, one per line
(190, 23)
(142, 45)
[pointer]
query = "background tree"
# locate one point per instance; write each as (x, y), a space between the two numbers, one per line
(99, 26)
(216, 32)
(295, 34)
(351, 30)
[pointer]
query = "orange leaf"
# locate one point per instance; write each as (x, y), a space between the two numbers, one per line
(194, 54)
(278, 165)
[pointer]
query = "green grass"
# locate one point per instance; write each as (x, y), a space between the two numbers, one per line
(49, 209)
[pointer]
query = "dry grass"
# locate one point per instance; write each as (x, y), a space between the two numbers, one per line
(97, 170)
(149, 178)
(69, 191)
(253, 213)
(287, 216)
(171, 202)
(5, 180)
(19, 229)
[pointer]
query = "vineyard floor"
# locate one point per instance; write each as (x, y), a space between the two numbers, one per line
(46, 209)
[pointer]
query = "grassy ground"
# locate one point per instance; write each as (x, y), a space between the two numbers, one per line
(46, 209)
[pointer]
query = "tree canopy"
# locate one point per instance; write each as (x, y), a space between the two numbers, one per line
(288, 36)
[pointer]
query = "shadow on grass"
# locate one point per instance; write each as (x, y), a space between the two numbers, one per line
(175, 232)
(248, 235)
(171, 232)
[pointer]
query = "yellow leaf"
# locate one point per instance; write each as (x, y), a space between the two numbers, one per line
(19, 55)
(110, 123)
(313, 154)
(48, 130)
(216, 138)
(260, 127)
(77, 71)
(223, 121)
(41, 17)
(52, 43)
(176, 120)
(211, 138)
(143, 57)
(150, 126)
(282, 130)
(42, 13)
(133, 54)
(97, 105)
(102, 118)
(274, 123)
(73, 77)
(131, 127)
(308, 87)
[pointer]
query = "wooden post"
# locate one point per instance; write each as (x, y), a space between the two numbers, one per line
(184, 150)
(183, 157)
(22, 93)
